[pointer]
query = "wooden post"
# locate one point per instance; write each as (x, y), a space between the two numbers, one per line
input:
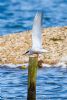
(32, 72)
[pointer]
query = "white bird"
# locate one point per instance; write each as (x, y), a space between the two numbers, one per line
(36, 36)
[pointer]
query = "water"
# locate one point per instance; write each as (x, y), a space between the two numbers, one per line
(17, 15)
(51, 84)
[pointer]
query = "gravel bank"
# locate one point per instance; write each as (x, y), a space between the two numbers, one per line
(54, 39)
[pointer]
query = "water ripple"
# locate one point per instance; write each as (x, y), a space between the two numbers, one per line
(17, 15)
(51, 84)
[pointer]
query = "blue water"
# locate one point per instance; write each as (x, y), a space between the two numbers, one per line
(51, 84)
(17, 15)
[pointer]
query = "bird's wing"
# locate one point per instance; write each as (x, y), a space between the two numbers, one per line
(36, 32)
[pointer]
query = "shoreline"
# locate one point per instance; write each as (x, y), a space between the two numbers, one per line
(25, 65)
(12, 46)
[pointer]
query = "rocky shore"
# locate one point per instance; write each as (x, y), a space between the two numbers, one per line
(54, 39)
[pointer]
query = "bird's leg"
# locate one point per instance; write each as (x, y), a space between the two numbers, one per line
(36, 55)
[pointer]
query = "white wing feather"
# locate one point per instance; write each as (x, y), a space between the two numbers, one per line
(36, 32)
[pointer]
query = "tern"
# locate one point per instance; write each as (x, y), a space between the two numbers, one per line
(36, 36)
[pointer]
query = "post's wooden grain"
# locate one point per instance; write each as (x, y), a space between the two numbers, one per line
(32, 72)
